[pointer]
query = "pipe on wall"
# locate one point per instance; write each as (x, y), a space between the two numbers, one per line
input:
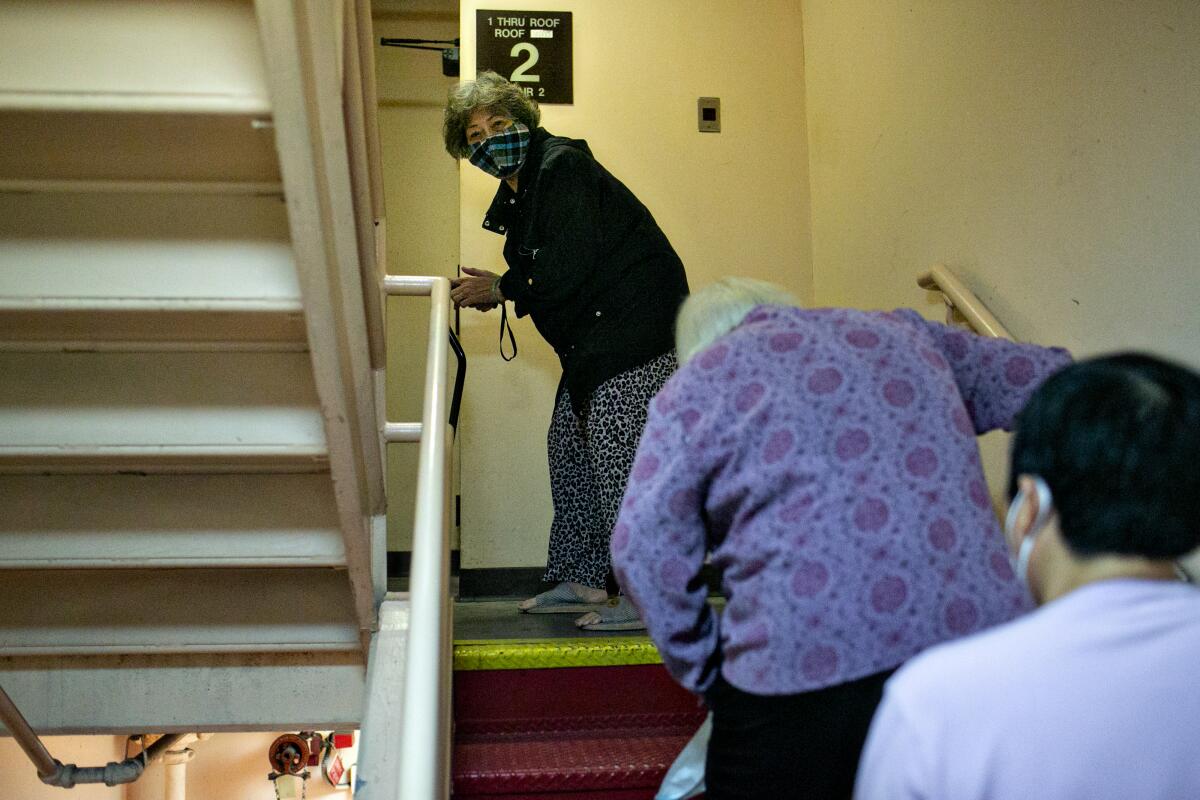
(114, 772)
(15, 722)
(52, 772)
(175, 762)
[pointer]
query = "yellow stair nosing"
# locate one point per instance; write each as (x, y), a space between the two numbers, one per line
(497, 654)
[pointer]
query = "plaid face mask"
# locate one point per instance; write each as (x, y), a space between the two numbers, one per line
(502, 154)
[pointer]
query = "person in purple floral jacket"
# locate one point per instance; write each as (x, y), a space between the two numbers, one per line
(825, 459)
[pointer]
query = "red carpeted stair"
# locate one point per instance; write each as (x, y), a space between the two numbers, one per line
(568, 732)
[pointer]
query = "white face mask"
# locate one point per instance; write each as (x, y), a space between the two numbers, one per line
(1045, 500)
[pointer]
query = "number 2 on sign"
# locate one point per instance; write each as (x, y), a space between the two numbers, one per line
(521, 73)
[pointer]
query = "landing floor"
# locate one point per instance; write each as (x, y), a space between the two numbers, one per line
(499, 619)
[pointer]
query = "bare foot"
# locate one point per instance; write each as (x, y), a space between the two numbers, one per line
(617, 615)
(586, 594)
(590, 618)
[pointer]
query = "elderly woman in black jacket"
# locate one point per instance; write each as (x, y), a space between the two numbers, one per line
(589, 264)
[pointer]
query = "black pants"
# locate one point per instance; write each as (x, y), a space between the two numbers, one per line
(789, 746)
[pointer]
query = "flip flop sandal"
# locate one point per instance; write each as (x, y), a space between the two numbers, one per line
(617, 615)
(560, 600)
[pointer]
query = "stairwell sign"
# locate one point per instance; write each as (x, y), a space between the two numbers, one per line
(530, 48)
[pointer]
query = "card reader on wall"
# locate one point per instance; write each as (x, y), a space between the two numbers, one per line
(708, 114)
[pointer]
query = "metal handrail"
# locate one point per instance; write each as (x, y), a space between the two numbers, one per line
(959, 298)
(425, 741)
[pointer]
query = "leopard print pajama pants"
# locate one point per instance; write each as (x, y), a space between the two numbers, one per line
(590, 461)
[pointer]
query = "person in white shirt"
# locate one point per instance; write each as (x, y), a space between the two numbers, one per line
(1093, 696)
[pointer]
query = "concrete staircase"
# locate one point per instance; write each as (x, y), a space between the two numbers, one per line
(191, 485)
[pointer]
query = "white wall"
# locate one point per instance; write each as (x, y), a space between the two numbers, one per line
(733, 202)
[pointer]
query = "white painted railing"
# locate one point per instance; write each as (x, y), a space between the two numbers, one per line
(406, 744)
(959, 299)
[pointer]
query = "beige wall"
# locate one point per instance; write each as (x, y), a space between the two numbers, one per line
(421, 193)
(234, 766)
(228, 766)
(1046, 152)
(733, 202)
(19, 780)
(1049, 153)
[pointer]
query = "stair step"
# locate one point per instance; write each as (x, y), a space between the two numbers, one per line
(107, 521)
(117, 694)
(97, 146)
(88, 612)
(137, 102)
(145, 246)
(569, 731)
(68, 186)
(162, 459)
(110, 53)
(629, 760)
(485, 699)
(88, 325)
(171, 412)
(670, 722)
(147, 269)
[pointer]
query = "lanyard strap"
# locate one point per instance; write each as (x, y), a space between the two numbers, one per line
(503, 325)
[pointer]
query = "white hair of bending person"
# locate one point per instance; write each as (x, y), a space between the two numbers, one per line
(715, 310)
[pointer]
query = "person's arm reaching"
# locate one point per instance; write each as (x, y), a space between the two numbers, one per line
(995, 377)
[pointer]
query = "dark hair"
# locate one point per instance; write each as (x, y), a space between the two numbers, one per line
(1117, 440)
